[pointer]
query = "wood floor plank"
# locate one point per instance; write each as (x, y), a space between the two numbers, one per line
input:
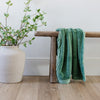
(9, 91)
(44, 93)
(93, 88)
(55, 94)
(28, 89)
(47, 91)
(39, 88)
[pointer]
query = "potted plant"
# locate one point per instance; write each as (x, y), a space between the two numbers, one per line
(12, 59)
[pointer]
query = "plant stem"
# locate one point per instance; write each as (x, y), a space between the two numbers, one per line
(24, 42)
(0, 36)
(2, 25)
(6, 17)
(22, 38)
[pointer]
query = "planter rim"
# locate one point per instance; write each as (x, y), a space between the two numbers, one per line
(9, 46)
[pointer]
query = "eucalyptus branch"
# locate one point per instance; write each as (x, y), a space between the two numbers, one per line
(27, 5)
(12, 37)
(21, 26)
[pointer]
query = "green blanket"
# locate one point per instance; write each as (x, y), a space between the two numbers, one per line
(70, 55)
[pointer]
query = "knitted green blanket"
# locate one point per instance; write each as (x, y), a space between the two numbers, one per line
(70, 55)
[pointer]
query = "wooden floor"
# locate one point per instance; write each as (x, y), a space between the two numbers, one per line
(39, 88)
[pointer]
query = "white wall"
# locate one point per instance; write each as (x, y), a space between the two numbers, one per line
(60, 13)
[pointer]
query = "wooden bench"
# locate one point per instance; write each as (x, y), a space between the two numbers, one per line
(53, 35)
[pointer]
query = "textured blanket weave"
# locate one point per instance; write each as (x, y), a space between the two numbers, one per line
(70, 55)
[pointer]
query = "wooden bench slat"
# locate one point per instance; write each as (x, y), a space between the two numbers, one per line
(55, 34)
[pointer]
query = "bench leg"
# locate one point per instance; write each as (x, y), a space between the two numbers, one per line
(52, 70)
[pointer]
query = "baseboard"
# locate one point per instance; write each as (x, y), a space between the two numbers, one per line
(40, 66)
(37, 66)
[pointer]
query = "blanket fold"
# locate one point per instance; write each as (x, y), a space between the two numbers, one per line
(70, 55)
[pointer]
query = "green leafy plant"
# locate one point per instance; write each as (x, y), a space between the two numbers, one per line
(29, 23)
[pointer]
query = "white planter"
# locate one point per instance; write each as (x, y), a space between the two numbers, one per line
(12, 61)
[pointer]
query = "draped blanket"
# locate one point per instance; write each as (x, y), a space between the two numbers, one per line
(70, 55)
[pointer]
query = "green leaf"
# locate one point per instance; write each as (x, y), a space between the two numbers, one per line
(44, 12)
(37, 16)
(27, 23)
(28, 16)
(8, 2)
(30, 42)
(13, 41)
(38, 10)
(25, 45)
(34, 20)
(17, 31)
(9, 38)
(11, 4)
(41, 14)
(26, 35)
(35, 28)
(28, 2)
(0, 44)
(4, 33)
(41, 18)
(33, 38)
(44, 23)
(3, 42)
(6, 15)
(27, 9)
